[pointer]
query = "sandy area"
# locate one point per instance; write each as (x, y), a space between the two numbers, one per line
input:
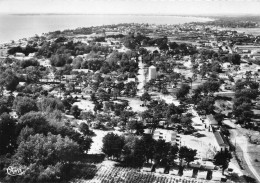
(85, 105)
(204, 145)
(135, 103)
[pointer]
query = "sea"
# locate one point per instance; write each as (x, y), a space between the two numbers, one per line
(17, 26)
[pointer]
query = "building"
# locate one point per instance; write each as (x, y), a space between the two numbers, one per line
(152, 72)
(19, 54)
(222, 142)
(249, 48)
(167, 135)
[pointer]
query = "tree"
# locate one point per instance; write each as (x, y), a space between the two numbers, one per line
(219, 118)
(133, 151)
(173, 154)
(206, 105)
(145, 97)
(103, 95)
(59, 60)
(248, 75)
(48, 103)
(173, 45)
(186, 154)
(7, 134)
(163, 47)
(234, 58)
(161, 149)
(148, 142)
(24, 134)
(46, 150)
(210, 86)
(23, 105)
(135, 125)
(9, 80)
(183, 91)
(4, 106)
(222, 158)
(75, 111)
(112, 145)
(36, 121)
(84, 128)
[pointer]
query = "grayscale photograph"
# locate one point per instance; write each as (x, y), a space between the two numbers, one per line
(129, 91)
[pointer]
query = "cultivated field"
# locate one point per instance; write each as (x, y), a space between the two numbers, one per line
(128, 175)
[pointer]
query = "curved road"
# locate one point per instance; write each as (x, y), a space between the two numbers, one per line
(242, 141)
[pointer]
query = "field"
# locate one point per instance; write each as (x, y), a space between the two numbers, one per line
(107, 174)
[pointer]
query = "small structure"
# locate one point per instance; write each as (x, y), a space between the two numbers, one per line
(152, 73)
(167, 135)
(17, 54)
(159, 169)
(147, 167)
(221, 141)
(130, 80)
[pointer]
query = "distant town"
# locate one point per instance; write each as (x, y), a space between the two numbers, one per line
(132, 103)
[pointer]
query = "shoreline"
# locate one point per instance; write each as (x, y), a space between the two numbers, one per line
(107, 20)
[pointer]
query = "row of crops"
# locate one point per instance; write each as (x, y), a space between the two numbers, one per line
(129, 175)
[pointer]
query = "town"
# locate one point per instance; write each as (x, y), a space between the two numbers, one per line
(132, 103)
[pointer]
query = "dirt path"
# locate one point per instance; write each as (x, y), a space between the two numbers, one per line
(242, 141)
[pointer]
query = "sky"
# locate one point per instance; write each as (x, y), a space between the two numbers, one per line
(174, 7)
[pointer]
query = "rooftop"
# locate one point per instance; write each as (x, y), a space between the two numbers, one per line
(222, 141)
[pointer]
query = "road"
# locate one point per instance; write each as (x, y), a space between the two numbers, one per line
(141, 79)
(242, 141)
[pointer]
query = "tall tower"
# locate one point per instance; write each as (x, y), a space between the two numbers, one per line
(152, 73)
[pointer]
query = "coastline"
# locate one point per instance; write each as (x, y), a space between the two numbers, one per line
(31, 24)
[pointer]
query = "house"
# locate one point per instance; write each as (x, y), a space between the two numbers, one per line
(222, 142)
(19, 54)
(130, 80)
(69, 77)
(82, 70)
(167, 135)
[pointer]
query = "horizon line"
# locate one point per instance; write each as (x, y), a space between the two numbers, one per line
(143, 14)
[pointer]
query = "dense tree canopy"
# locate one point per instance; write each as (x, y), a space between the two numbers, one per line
(112, 145)
(23, 105)
(7, 134)
(49, 150)
(222, 158)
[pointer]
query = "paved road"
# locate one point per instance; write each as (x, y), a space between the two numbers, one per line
(242, 141)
